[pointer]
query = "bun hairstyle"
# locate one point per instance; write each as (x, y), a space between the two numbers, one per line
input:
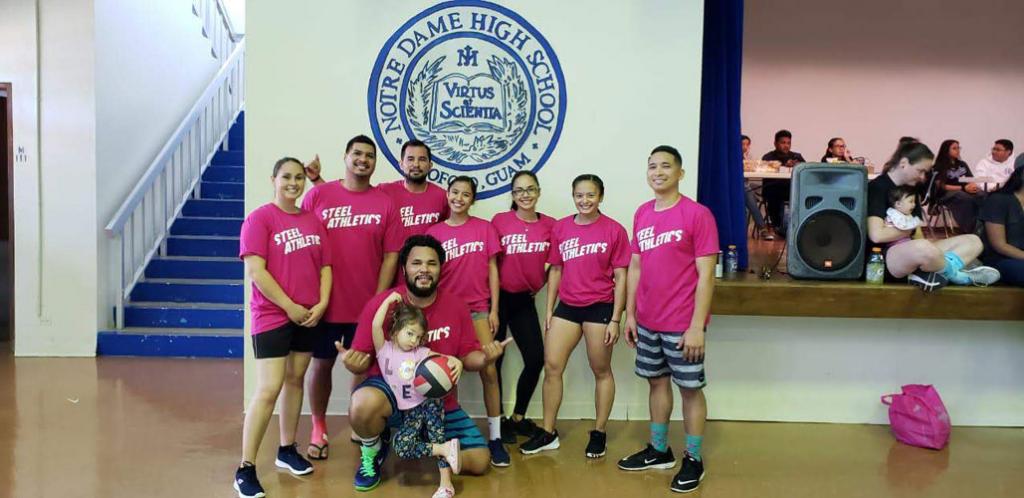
(911, 151)
(406, 314)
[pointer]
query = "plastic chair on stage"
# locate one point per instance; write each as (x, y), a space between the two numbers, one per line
(936, 214)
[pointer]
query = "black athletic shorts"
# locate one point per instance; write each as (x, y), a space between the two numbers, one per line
(591, 313)
(330, 332)
(277, 343)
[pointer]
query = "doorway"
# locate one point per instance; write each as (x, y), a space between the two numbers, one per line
(6, 219)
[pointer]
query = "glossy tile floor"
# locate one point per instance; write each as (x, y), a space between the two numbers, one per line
(116, 427)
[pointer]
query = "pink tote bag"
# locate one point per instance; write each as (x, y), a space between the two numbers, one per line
(918, 417)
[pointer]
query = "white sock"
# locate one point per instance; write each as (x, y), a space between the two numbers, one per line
(494, 425)
(372, 442)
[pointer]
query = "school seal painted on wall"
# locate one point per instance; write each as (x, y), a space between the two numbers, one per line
(475, 82)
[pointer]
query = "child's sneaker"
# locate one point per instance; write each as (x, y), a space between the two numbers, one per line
(443, 492)
(246, 483)
(453, 447)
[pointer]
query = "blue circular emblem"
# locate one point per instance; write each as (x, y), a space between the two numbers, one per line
(475, 82)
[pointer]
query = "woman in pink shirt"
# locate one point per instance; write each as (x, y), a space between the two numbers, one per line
(589, 256)
(471, 272)
(525, 238)
(286, 256)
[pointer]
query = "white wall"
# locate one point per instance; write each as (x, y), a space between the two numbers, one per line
(54, 212)
(632, 74)
(875, 70)
(152, 63)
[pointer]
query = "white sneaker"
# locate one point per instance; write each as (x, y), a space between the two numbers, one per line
(453, 447)
(983, 276)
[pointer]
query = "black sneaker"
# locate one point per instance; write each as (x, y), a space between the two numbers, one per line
(499, 456)
(288, 457)
(525, 427)
(246, 483)
(541, 441)
(928, 281)
(648, 458)
(508, 431)
(689, 477)
(596, 446)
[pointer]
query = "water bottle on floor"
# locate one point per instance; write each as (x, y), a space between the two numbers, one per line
(732, 261)
(875, 273)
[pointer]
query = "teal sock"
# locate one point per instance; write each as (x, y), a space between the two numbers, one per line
(693, 446)
(659, 436)
(953, 270)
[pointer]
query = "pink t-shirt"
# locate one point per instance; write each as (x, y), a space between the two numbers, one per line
(294, 247)
(418, 211)
(399, 369)
(524, 251)
(468, 249)
(361, 228)
(450, 331)
(668, 243)
(588, 255)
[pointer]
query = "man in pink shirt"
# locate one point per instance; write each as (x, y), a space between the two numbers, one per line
(365, 234)
(374, 406)
(420, 203)
(668, 300)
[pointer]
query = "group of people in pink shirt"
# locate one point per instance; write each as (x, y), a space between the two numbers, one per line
(327, 274)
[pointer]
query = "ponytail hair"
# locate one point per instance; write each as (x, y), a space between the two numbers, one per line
(911, 151)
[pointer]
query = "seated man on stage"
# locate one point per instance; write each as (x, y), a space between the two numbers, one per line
(928, 264)
(776, 192)
(373, 407)
(750, 200)
(997, 165)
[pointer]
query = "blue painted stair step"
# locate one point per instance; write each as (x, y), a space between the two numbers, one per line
(189, 291)
(214, 208)
(183, 315)
(206, 226)
(190, 267)
(228, 158)
(223, 190)
(198, 245)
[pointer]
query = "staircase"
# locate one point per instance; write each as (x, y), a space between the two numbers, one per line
(189, 302)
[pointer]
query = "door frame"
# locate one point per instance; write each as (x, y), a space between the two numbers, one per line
(8, 125)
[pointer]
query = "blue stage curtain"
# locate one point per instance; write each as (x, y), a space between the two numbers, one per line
(720, 166)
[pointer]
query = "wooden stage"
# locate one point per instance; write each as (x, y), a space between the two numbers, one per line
(781, 295)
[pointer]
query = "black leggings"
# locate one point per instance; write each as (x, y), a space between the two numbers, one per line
(517, 311)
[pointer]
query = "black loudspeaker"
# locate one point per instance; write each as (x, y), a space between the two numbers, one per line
(828, 205)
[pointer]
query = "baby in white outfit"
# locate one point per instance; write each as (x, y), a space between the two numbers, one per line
(902, 201)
